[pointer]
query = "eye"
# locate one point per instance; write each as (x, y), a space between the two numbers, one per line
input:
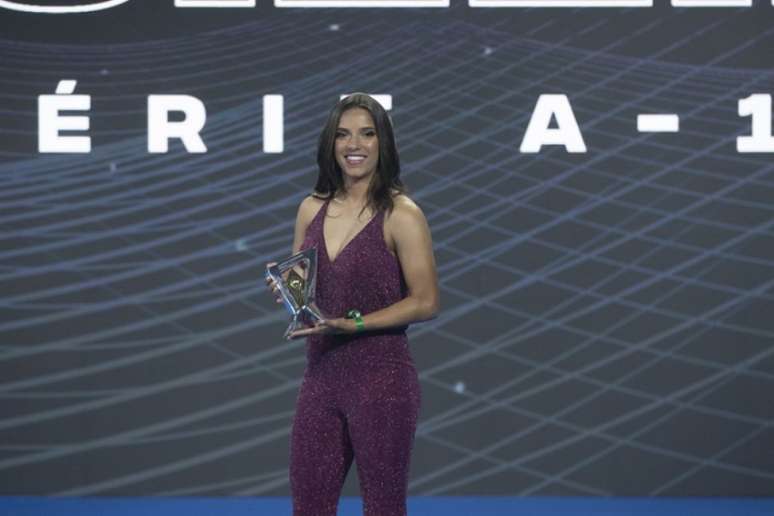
(370, 133)
(339, 134)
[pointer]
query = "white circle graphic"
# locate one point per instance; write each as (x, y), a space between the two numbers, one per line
(60, 9)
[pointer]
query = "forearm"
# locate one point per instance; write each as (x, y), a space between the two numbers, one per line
(406, 311)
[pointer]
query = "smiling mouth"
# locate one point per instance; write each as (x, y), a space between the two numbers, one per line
(354, 159)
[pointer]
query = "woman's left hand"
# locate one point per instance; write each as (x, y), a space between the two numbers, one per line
(337, 325)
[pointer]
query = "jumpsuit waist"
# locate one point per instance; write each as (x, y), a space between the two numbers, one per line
(365, 350)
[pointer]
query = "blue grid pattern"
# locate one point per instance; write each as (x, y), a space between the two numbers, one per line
(598, 309)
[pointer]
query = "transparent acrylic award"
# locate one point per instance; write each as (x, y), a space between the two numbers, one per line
(296, 278)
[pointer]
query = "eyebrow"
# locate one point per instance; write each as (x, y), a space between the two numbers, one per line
(362, 129)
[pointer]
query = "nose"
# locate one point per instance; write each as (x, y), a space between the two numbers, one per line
(353, 142)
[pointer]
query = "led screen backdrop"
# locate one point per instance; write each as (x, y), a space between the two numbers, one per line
(607, 298)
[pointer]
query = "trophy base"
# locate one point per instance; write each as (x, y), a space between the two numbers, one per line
(305, 317)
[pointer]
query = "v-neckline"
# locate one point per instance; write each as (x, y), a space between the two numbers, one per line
(344, 248)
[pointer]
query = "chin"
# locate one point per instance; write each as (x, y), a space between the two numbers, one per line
(356, 175)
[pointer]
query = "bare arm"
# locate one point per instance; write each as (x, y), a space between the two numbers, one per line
(414, 247)
(306, 212)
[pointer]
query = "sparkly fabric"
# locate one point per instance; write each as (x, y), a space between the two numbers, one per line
(360, 393)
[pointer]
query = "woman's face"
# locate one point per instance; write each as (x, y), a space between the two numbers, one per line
(357, 146)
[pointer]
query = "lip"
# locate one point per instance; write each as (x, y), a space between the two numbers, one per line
(355, 163)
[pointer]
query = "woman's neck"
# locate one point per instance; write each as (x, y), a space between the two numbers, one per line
(355, 194)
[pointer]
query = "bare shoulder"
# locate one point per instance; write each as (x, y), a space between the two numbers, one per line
(308, 209)
(406, 219)
(406, 211)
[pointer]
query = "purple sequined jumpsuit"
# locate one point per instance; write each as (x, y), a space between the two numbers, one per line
(360, 393)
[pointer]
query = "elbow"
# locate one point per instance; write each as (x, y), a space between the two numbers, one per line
(430, 308)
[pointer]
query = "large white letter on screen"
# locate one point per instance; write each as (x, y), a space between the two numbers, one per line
(565, 133)
(51, 122)
(161, 129)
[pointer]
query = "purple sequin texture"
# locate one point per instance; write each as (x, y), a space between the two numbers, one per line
(360, 395)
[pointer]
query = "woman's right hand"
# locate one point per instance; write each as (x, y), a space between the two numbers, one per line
(273, 285)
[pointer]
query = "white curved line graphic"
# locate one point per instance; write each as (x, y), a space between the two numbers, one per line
(61, 9)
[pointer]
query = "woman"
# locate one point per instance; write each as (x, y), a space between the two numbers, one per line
(360, 394)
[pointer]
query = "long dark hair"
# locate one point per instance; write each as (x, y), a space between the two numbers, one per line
(386, 178)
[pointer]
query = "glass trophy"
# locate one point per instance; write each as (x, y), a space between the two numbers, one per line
(296, 278)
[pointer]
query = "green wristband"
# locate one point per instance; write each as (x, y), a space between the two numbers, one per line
(355, 314)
